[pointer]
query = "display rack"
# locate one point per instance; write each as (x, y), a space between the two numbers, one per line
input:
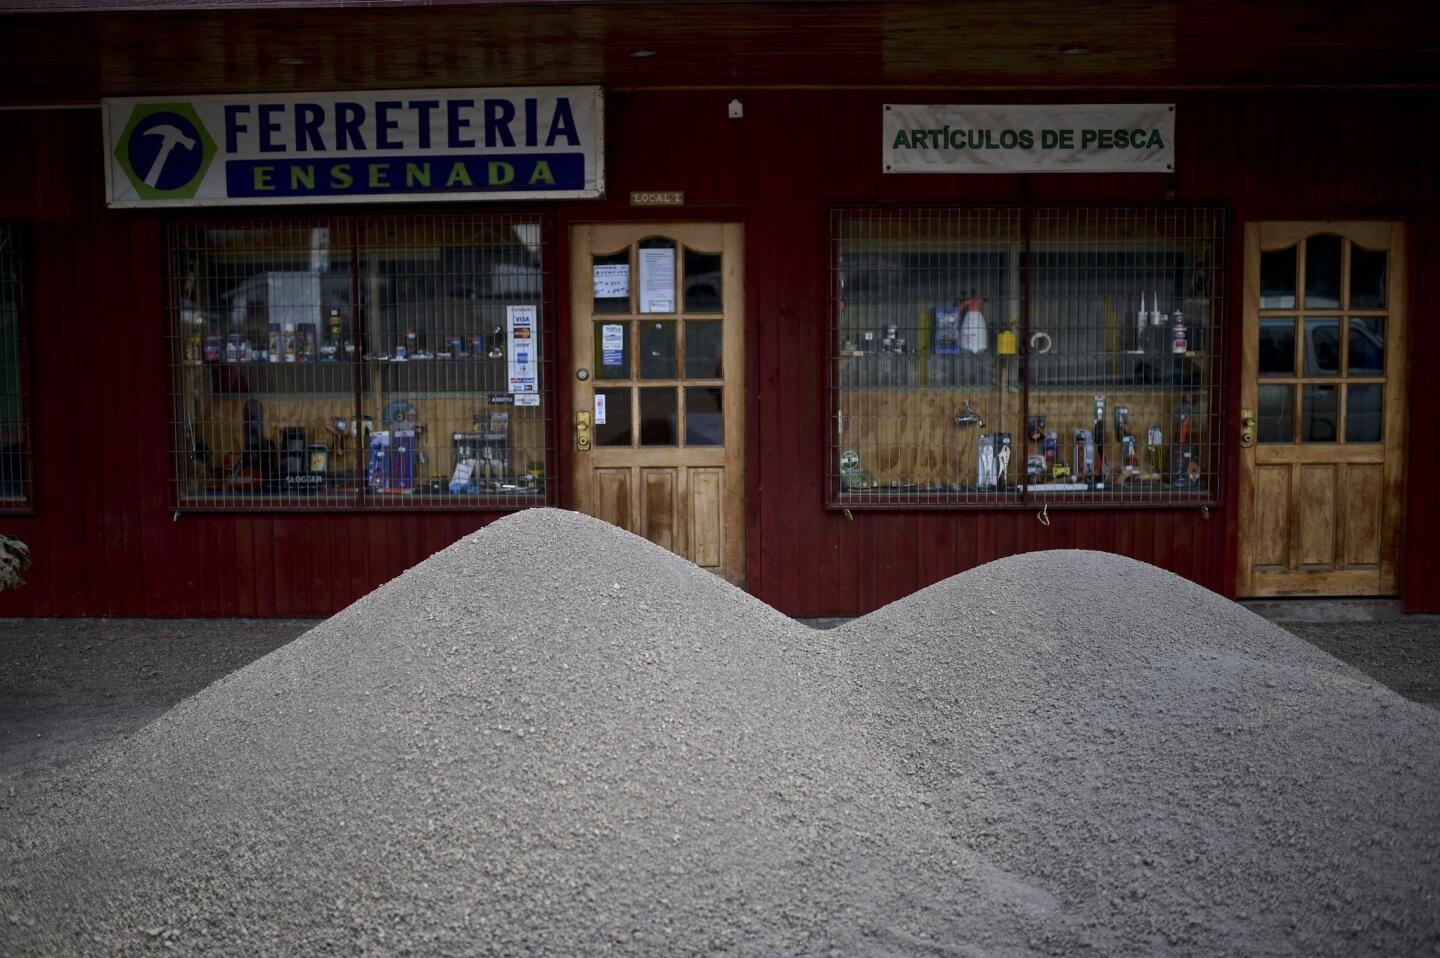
(1001, 356)
(360, 363)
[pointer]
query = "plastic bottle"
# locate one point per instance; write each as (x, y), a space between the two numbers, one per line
(974, 335)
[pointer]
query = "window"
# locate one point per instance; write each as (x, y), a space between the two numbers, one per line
(359, 363)
(1339, 374)
(1025, 355)
(15, 483)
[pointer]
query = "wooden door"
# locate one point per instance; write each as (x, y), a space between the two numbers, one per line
(657, 325)
(1323, 384)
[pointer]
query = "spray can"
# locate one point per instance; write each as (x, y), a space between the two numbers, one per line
(1179, 341)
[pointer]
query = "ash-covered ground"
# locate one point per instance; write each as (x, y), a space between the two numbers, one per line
(1056, 753)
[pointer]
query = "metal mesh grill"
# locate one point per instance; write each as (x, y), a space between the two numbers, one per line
(15, 483)
(360, 363)
(992, 357)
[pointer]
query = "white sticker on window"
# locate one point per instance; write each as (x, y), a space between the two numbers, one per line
(599, 409)
(657, 280)
(612, 344)
(612, 280)
(524, 365)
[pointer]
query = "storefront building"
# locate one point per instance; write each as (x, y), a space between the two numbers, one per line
(836, 300)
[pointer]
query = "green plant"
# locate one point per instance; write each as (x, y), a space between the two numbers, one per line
(14, 558)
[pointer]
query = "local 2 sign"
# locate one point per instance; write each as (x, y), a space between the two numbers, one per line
(1022, 138)
(396, 146)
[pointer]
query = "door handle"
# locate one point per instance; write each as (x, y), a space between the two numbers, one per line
(582, 431)
(1247, 428)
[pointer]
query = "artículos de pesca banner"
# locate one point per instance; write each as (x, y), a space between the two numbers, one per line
(1027, 138)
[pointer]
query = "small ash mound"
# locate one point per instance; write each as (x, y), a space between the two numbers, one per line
(550, 738)
(554, 738)
(1181, 776)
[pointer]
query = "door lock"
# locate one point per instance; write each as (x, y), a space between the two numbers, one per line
(582, 431)
(1247, 428)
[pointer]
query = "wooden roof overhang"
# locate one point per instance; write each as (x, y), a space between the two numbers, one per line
(94, 48)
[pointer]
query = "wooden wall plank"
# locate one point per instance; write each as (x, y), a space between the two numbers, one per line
(113, 549)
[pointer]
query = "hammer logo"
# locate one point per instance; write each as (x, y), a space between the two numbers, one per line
(165, 151)
(169, 139)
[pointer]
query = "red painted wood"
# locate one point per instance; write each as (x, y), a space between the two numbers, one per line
(103, 534)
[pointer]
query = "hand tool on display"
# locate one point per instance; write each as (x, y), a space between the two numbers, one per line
(337, 430)
(969, 417)
(985, 462)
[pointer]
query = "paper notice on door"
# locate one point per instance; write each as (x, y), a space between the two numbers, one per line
(527, 399)
(599, 409)
(612, 280)
(524, 364)
(657, 280)
(612, 344)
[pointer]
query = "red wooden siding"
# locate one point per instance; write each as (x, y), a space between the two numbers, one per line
(105, 539)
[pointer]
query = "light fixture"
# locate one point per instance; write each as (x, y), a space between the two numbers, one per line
(642, 53)
(292, 61)
(1074, 49)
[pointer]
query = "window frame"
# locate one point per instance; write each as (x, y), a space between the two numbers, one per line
(1210, 389)
(361, 500)
(21, 235)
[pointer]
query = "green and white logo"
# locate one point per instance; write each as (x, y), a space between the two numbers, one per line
(165, 151)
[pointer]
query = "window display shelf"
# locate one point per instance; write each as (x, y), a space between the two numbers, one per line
(986, 357)
(358, 363)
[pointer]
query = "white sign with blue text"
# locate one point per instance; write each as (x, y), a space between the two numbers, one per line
(389, 146)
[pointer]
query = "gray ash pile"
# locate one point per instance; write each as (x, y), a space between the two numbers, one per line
(1174, 772)
(554, 738)
(550, 738)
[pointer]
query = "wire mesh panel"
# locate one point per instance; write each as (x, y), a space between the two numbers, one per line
(15, 464)
(926, 383)
(349, 363)
(1126, 354)
(1002, 356)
